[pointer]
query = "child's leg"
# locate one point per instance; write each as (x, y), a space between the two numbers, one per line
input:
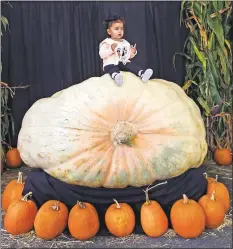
(135, 69)
(114, 72)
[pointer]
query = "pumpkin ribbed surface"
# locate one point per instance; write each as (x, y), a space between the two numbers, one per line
(97, 134)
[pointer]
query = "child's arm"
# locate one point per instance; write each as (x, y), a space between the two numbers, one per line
(105, 50)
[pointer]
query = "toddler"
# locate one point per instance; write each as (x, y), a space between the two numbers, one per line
(116, 53)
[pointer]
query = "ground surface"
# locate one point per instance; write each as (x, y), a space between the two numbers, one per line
(215, 238)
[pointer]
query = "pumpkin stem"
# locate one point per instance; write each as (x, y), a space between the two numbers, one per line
(186, 200)
(148, 188)
(205, 175)
(81, 204)
(147, 196)
(56, 207)
(212, 197)
(117, 203)
(123, 133)
(20, 178)
(25, 198)
(216, 178)
(156, 185)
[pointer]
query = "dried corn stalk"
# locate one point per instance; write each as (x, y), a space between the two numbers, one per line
(208, 62)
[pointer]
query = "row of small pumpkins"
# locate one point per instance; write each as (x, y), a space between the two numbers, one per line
(188, 217)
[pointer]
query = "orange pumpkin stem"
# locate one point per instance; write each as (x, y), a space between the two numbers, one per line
(212, 197)
(56, 207)
(81, 204)
(186, 200)
(25, 198)
(117, 204)
(20, 178)
(216, 178)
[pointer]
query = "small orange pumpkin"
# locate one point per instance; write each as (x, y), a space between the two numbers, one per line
(12, 191)
(83, 221)
(51, 219)
(120, 219)
(13, 158)
(223, 156)
(213, 209)
(187, 218)
(221, 192)
(20, 216)
(154, 221)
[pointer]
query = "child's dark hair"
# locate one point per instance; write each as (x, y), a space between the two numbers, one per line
(113, 19)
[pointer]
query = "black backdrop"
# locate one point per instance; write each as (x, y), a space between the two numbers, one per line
(53, 45)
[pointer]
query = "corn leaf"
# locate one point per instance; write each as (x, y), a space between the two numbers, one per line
(225, 52)
(198, 70)
(225, 66)
(211, 41)
(181, 54)
(188, 84)
(215, 4)
(199, 54)
(204, 105)
(229, 46)
(222, 60)
(181, 10)
(226, 28)
(211, 81)
(213, 69)
(227, 77)
(229, 12)
(215, 56)
(216, 26)
(202, 85)
(4, 22)
(197, 7)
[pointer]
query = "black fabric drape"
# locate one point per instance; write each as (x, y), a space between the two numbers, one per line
(53, 45)
(45, 187)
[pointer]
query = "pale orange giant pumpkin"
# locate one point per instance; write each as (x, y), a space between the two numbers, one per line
(97, 134)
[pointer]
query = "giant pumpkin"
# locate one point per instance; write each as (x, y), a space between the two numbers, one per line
(97, 134)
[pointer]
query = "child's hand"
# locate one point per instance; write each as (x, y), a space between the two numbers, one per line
(133, 49)
(113, 46)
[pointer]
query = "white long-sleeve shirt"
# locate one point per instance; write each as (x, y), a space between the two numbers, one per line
(108, 55)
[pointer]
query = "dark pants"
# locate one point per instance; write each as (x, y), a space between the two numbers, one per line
(130, 67)
(44, 187)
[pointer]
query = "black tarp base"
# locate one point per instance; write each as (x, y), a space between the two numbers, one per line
(45, 187)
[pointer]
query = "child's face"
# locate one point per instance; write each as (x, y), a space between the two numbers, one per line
(116, 31)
